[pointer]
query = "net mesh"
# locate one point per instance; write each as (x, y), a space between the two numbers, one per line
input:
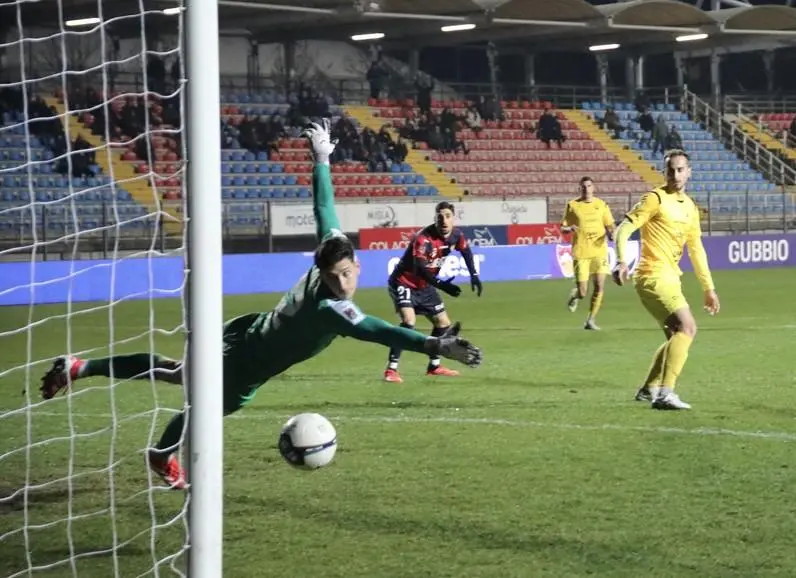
(91, 239)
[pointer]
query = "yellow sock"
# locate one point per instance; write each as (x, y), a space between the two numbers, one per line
(674, 358)
(596, 302)
(655, 373)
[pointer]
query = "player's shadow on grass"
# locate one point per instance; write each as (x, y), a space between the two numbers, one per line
(12, 499)
(445, 532)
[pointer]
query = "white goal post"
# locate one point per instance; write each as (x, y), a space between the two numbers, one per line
(205, 367)
(110, 201)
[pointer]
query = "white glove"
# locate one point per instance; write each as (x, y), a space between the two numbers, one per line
(321, 143)
(457, 349)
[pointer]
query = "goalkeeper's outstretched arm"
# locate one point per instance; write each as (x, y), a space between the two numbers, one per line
(347, 320)
(326, 221)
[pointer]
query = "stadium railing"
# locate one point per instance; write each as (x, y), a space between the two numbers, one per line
(756, 103)
(245, 224)
(749, 106)
(769, 164)
(354, 91)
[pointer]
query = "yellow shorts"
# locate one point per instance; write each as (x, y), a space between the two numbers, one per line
(661, 297)
(585, 268)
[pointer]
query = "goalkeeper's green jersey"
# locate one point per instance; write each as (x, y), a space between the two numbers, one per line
(308, 318)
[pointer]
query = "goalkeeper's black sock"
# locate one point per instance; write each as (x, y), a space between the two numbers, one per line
(395, 354)
(434, 360)
(172, 435)
(136, 365)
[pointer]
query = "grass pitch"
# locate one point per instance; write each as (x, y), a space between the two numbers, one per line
(536, 464)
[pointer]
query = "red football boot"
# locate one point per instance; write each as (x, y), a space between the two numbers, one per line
(440, 370)
(169, 469)
(60, 376)
(392, 376)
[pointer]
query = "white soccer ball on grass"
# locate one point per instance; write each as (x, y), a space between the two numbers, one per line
(308, 440)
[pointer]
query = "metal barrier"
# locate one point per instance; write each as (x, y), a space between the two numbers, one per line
(749, 149)
(747, 107)
(759, 102)
(356, 91)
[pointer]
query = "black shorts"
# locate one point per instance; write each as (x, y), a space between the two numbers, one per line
(425, 301)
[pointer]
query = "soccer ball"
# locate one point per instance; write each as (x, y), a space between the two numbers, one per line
(308, 440)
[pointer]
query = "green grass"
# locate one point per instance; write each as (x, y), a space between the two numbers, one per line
(536, 464)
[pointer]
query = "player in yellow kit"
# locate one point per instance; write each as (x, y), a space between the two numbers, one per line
(668, 219)
(590, 221)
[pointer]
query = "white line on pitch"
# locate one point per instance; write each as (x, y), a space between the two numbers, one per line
(700, 431)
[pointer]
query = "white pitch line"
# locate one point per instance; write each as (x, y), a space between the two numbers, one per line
(700, 431)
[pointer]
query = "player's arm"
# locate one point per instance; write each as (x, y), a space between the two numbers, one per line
(608, 221)
(326, 221)
(346, 319)
(467, 254)
(643, 211)
(422, 269)
(568, 221)
(699, 260)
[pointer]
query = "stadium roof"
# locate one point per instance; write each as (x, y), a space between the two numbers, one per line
(642, 26)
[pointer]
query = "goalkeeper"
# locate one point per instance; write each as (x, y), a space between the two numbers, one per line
(259, 346)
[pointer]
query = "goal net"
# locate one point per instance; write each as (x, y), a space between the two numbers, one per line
(92, 159)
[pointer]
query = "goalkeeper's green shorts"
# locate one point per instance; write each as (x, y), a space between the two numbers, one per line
(240, 383)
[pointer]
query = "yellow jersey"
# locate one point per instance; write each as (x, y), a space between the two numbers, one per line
(591, 218)
(668, 220)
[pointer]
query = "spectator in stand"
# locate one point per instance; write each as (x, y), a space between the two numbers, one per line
(47, 126)
(448, 120)
(294, 116)
(375, 151)
(378, 75)
(489, 108)
(396, 151)
(550, 129)
(472, 118)
(45, 123)
(610, 121)
(143, 146)
(792, 131)
(647, 124)
(451, 144)
(83, 159)
(409, 129)
(660, 132)
(399, 151)
(10, 100)
(673, 139)
(98, 126)
(175, 73)
(156, 73)
(348, 141)
(132, 119)
(642, 101)
(309, 104)
(425, 86)
(275, 131)
(434, 138)
(227, 136)
(171, 111)
(250, 134)
(425, 127)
